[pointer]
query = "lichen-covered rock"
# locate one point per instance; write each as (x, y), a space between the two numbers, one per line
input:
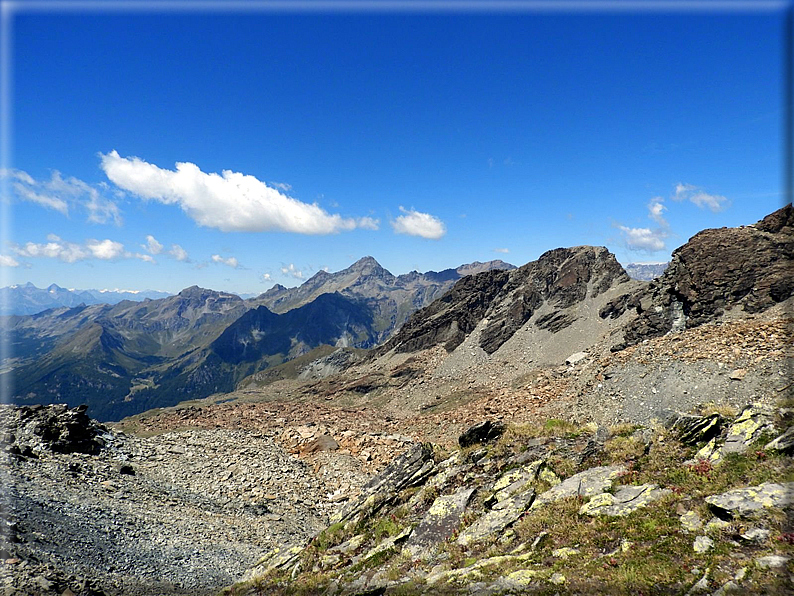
(497, 520)
(745, 430)
(772, 562)
(584, 484)
(751, 423)
(440, 521)
(565, 552)
(445, 472)
(784, 443)
(518, 581)
(513, 482)
(385, 545)
(278, 558)
(624, 501)
(691, 521)
(747, 501)
(703, 544)
(410, 469)
(755, 535)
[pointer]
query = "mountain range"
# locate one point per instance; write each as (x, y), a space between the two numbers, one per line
(131, 356)
(27, 299)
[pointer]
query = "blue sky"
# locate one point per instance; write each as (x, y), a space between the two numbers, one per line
(424, 139)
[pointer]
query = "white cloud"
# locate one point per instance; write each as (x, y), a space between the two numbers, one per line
(231, 261)
(699, 197)
(6, 261)
(54, 249)
(152, 246)
(266, 277)
(656, 210)
(292, 271)
(368, 223)
(71, 252)
(649, 239)
(105, 249)
(415, 223)
(230, 202)
(502, 250)
(644, 239)
(179, 253)
(282, 186)
(61, 194)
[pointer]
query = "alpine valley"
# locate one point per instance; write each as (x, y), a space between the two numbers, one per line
(124, 358)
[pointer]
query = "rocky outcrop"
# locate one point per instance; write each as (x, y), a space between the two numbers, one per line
(749, 267)
(57, 428)
(559, 279)
(499, 520)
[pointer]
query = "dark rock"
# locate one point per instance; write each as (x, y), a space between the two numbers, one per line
(555, 321)
(126, 470)
(560, 278)
(748, 267)
(440, 521)
(366, 384)
(481, 432)
(615, 307)
(412, 468)
(691, 430)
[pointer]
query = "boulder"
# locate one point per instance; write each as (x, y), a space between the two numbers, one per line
(750, 500)
(574, 358)
(412, 468)
(691, 521)
(440, 521)
(481, 432)
(497, 520)
(772, 562)
(703, 544)
(751, 423)
(512, 482)
(321, 443)
(784, 443)
(624, 501)
(718, 269)
(584, 484)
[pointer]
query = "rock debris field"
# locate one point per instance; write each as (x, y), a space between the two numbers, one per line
(183, 512)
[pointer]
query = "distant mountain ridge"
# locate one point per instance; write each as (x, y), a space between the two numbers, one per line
(132, 356)
(391, 298)
(645, 271)
(27, 299)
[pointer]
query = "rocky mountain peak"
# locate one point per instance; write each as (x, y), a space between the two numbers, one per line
(478, 267)
(192, 291)
(368, 267)
(508, 299)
